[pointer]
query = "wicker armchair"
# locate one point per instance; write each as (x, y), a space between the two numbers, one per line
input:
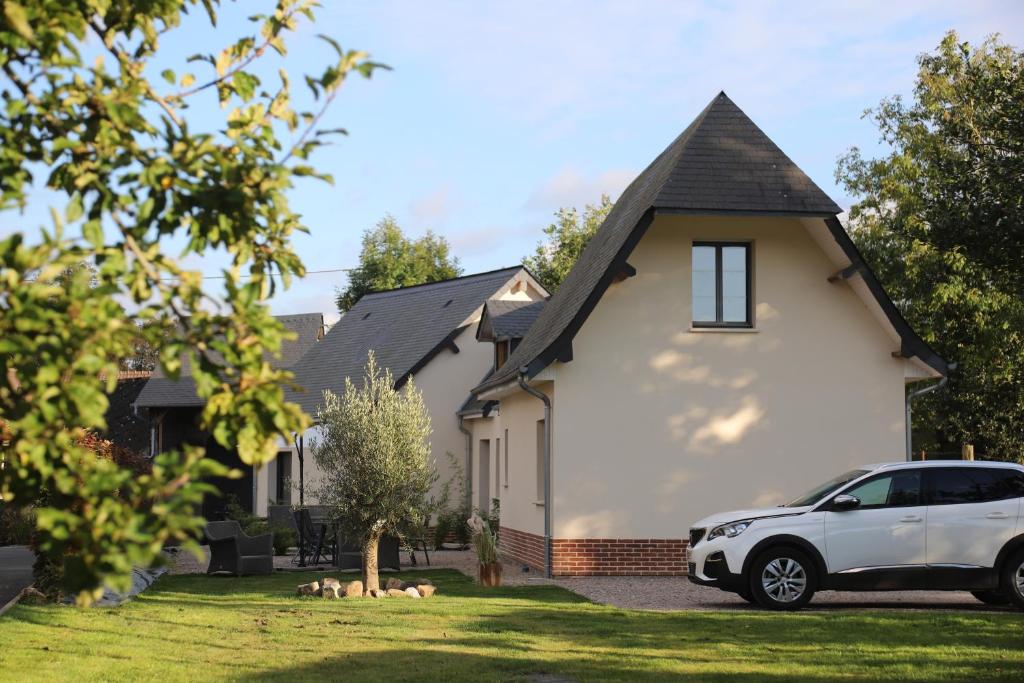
(233, 552)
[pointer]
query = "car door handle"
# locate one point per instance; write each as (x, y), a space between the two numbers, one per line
(997, 515)
(909, 519)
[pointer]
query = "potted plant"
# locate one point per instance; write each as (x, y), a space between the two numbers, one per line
(489, 571)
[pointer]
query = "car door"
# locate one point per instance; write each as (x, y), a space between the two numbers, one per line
(972, 513)
(886, 531)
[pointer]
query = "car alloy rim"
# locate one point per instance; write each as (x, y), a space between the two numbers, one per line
(784, 579)
(1019, 580)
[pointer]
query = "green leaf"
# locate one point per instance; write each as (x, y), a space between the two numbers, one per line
(168, 75)
(18, 19)
(74, 208)
(92, 231)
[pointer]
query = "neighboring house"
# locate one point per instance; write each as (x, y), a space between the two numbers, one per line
(424, 332)
(172, 408)
(125, 426)
(720, 344)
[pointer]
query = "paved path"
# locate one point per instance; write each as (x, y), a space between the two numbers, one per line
(15, 571)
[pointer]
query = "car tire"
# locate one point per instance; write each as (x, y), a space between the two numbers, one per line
(1011, 579)
(991, 597)
(747, 595)
(783, 579)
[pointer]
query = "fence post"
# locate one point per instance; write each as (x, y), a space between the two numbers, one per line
(967, 452)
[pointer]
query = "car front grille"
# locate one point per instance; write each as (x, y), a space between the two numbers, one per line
(695, 536)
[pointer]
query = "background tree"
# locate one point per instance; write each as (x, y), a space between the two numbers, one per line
(566, 239)
(115, 141)
(941, 220)
(389, 259)
(374, 454)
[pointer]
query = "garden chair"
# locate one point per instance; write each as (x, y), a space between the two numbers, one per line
(311, 538)
(418, 541)
(232, 551)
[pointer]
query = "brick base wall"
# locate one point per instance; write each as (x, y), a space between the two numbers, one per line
(598, 556)
(519, 546)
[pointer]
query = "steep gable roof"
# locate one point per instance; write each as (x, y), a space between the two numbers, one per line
(721, 163)
(164, 392)
(404, 327)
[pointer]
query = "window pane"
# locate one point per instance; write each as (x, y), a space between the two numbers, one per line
(704, 284)
(953, 486)
(872, 493)
(734, 284)
(905, 489)
(704, 258)
(704, 309)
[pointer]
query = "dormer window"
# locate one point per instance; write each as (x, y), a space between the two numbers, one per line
(722, 284)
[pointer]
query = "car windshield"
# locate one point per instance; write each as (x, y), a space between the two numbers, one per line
(819, 492)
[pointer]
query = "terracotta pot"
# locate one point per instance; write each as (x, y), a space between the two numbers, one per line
(490, 574)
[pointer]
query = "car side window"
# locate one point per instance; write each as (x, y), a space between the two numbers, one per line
(958, 486)
(896, 489)
(1004, 484)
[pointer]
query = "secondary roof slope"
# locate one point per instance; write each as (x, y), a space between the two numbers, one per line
(163, 392)
(722, 162)
(405, 327)
(508, 319)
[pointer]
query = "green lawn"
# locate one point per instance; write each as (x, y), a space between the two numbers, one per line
(200, 628)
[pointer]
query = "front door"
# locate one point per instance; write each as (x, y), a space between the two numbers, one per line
(888, 529)
(972, 513)
(484, 476)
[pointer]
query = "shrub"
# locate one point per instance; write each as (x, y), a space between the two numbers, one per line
(16, 524)
(285, 538)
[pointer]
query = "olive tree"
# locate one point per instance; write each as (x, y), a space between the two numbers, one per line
(374, 456)
(84, 115)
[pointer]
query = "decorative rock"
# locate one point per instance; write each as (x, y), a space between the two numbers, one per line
(330, 592)
(394, 583)
(396, 593)
(354, 589)
(331, 582)
(412, 593)
(309, 589)
(423, 582)
(425, 590)
(377, 593)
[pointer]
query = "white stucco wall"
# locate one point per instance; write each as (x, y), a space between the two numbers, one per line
(657, 425)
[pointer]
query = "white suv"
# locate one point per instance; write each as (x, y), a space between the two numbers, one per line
(901, 526)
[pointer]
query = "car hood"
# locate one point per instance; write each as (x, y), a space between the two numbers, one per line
(753, 513)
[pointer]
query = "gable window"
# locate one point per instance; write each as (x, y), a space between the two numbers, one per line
(722, 284)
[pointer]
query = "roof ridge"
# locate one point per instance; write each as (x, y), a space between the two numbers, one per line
(382, 292)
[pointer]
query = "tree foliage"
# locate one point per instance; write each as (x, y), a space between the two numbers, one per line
(84, 115)
(374, 456)
(389, 259)
(566, 239)
(941, 220)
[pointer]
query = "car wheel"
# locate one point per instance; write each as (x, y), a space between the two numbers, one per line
(747, 595)
(783, 579)
(1012, 579)
(991, 597)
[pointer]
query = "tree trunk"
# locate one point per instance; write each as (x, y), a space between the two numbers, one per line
(370, 579)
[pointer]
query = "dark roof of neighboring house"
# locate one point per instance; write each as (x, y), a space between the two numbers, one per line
(507, 319)
(163, 392)
(405, 328)
(721, 163)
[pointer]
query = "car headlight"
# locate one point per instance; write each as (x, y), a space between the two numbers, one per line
(730, 530)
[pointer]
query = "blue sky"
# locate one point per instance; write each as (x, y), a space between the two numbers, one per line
(497, 114)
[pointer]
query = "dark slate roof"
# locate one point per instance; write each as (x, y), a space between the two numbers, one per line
(405, 328)
(722, 162)
(163, 392)
(504, 319)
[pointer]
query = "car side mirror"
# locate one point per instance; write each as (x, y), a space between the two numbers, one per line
(844, 502)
